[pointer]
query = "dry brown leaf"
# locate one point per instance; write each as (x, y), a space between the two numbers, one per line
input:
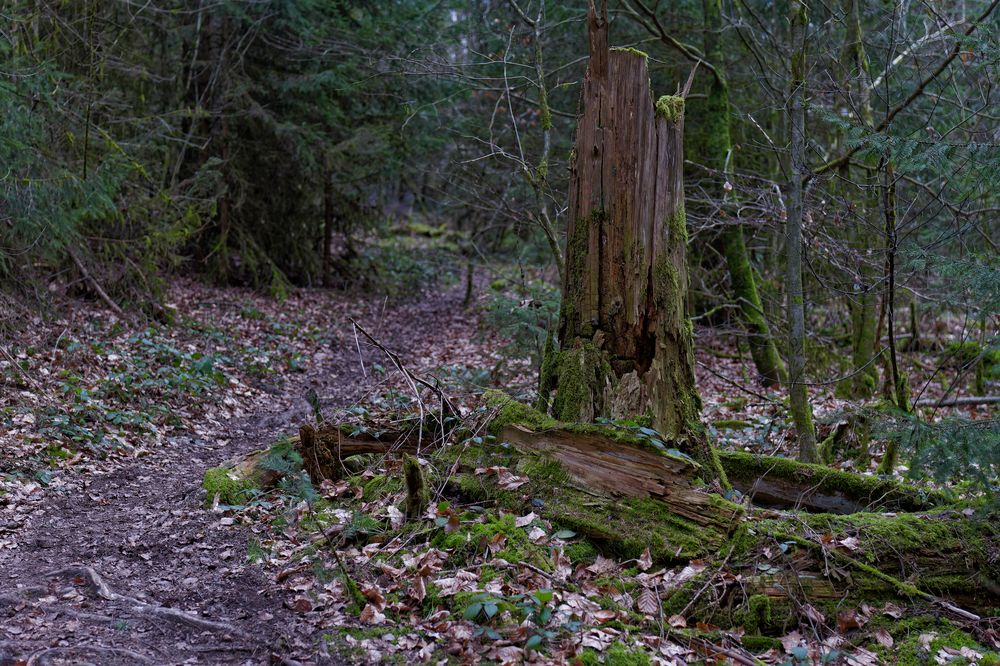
(883, 638)
(645, 560)
(791, 641)
(648, 603)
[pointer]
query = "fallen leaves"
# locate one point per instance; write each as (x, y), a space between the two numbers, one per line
(648, 603)
(505, 478)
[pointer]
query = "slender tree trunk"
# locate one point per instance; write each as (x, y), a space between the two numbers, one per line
(327, 267)
(716, 144)
(801, 409)
(864, 303)
(900, 391)
(626, 346)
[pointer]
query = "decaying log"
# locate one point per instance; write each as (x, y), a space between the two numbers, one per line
(789, 484)
(323, 449)
(599, 462)
(625, 495)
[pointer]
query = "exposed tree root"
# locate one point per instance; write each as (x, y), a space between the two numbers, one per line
(85, 654)
(102, 590)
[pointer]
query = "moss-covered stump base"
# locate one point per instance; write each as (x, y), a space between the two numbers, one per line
(235, 482)
(789, 484)
(232, 482)
(324, 449)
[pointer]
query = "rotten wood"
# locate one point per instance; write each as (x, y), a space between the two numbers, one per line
(626, 270)
(599, 462)
(324, 448)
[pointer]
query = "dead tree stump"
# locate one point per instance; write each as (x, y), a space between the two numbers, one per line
(625, 344)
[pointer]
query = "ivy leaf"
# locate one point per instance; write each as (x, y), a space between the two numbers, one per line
(472, 611)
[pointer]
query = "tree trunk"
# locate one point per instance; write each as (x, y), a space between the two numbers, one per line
(625, 343)
(864, 303)
(801, 409)
(715, 144)
(327, 266)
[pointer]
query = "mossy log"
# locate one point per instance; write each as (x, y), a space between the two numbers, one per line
(784, 483)
(232, 482)
(598, 462)
(624, 494)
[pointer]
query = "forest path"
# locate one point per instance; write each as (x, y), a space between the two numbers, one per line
(144, 530)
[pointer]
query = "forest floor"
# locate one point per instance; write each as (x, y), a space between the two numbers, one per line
(90, 481)
(109, 549)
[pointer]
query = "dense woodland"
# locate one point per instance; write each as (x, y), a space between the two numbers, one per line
(499, 331)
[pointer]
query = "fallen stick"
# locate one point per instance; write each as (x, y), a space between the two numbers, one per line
(960, 402)
(41, 657)
(97, 286)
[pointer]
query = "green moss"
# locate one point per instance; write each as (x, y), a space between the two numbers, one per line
(416, 488)
(909, 650)
(759, 644)
(581, 374)
(472, 539)
(757, 616)
(629, 50)
(762, 347)
(962, 352)
(617, 654)
(666, 286)
(228, 486)
(677, 225)
(944, 553)
(510, 411)
(547, 374)
(581, 552)
(626, 527)
(731, 424)
(573, 322)
(671, 108)
(378, 486)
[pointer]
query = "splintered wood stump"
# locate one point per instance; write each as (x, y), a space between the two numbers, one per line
(625, 344)
(323, 449)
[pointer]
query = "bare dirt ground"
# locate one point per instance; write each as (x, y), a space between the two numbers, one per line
(101, 566)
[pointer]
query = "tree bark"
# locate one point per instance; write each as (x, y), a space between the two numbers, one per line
(327, 267)
(864, 302)
(715, 142)
(801, 409)
(625, 343)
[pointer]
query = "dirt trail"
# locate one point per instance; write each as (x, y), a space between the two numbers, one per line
(143, 529)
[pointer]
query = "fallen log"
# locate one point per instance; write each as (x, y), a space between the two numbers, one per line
(959, 402)
(625, 495)
(789, 484)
